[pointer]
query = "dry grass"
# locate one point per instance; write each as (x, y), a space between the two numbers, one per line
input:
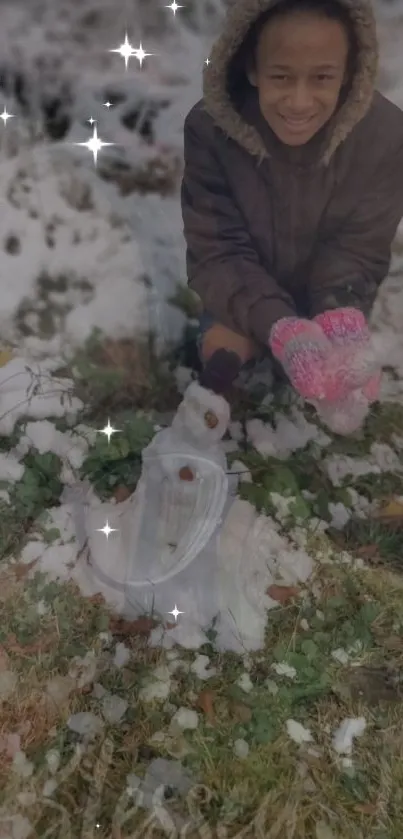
(123, 375)
(281, 790)
(159, 175)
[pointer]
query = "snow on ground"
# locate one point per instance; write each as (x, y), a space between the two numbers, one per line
(29, 389)
(60, 263)
(118, 234)
(287, 434)
(83, 251)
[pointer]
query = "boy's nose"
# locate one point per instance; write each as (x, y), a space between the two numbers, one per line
(300, 101)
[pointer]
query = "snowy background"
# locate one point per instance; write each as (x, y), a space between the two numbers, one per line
(70, 231)
(101, 247)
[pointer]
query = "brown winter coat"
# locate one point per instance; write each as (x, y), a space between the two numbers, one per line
(270, 229)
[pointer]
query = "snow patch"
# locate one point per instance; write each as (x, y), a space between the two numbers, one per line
(185, 719)
(28, 389)
(10, 468)
(382, 458)
(244, 682)
(200, 667)
(284, 669)
(345, 735)
(286, 435)
(46, 438)
(241, 749)
(298, 733)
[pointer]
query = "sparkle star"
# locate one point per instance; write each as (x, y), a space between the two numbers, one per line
(107, 104)
(94, 144)
(106, 529)
(174, 7)
(125, 50)
(207, 61)
(141, 55)
(91, 121)
(108, 431)
(5, 116)
(175, 612)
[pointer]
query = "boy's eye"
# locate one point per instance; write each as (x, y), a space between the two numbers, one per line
(321, 77)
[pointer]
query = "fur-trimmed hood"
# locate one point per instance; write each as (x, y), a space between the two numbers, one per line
(219, 103)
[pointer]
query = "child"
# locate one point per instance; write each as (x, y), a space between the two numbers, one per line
(291, 196)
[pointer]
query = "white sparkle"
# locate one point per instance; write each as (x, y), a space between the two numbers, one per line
(109, 430)
(141, 55)
(5, 116)
(174, 7)
(106, 529)
(175, 612)
(91, 121)
(107, 104)
(207, 61)
(94, 144)
(127, 51)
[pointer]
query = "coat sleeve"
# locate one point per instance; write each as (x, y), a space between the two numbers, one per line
(348, 269)
(223, 266)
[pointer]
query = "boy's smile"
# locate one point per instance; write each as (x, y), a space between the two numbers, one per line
(300, 67)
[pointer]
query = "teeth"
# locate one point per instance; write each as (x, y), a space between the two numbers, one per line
(297, 121)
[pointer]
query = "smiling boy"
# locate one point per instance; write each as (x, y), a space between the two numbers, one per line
(291, 196)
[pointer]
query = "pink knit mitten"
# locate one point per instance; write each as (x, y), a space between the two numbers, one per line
(344, 416)
(302, 349)
(354, 363)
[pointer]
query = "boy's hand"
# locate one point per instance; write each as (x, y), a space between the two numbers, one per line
(353, 364)
(328, 358)
(303, 350)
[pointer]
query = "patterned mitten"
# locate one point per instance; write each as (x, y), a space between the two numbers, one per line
(355, 361)
(345, 416)
(302, 349)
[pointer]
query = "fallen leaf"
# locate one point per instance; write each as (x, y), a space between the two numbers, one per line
(41, 645)
(282, 594)
(211, 419)
(85, 690)
(23, 568)
(121, 494)
(394, 643)
(368, 809)
(141, 626)
(5, 357)
(368, 552)
(205, 701)
(97, 599)
(186, 474)
(376, 684)
(241, 712)
(393, 509)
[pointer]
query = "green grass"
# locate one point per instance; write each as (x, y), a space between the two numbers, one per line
(355, 607)
(283, 790)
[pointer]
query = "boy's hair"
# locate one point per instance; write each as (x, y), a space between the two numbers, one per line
(331, 9)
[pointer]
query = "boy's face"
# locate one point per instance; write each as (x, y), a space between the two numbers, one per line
(300, 67)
